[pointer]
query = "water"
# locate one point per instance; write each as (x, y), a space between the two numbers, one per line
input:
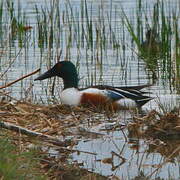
(110, 60)
(134, 156)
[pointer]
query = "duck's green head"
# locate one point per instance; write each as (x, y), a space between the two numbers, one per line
(64, 69)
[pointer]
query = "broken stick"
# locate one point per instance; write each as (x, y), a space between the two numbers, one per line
(25, 76)
(28, 132)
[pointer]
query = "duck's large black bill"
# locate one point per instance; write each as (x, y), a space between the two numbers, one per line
(45, 75)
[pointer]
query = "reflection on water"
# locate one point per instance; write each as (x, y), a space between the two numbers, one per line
(104, 53)
(122, 153)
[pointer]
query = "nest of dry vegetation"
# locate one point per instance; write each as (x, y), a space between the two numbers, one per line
(161, 132)
(59, 120)
(50, 125)
(156, 125)
(49, 120)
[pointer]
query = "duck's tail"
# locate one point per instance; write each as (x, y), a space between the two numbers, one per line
(134, 93)
(143, 100)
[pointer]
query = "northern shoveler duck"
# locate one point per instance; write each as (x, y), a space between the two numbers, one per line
(94, 95)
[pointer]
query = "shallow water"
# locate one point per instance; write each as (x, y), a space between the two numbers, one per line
(133, 157)
(111, 66)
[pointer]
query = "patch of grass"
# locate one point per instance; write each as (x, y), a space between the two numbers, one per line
(73, 172)
(17, 165)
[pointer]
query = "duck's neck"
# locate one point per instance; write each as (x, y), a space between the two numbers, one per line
(70, 82)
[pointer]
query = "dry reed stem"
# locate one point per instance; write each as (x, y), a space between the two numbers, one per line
(15, 81)
(165, 161)
(28, 132)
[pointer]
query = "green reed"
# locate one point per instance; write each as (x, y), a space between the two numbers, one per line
(176, 52)
(81, 26)
(41, 26)
(18, 21)
(1, 20)
(164, 27)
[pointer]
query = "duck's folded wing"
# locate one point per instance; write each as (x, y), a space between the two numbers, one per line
(138, 88)
(131, 92)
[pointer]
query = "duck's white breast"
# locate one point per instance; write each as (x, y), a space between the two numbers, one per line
(71, 96)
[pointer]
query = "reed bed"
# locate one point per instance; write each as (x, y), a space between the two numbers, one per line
(63, 31)
(163, 22)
